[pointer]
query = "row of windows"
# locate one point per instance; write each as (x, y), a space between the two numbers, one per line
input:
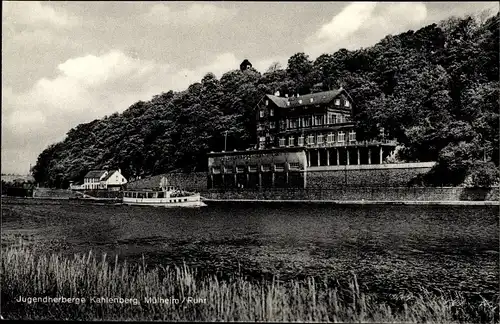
(92, 180)
(95, 180)
(300, 101)
(311, 139)
(159, 194)
(317, 120)
(311, 100)
(279, 167)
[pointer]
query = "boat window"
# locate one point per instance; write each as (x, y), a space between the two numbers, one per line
(185, 200)
(161, 195)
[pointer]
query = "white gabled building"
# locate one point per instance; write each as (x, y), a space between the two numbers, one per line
(113, 180)
(92, 179)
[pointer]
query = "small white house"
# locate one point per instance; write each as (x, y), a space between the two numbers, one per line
(113, 180)
(92, 179)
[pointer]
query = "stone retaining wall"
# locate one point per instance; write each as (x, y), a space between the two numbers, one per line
(364, 193)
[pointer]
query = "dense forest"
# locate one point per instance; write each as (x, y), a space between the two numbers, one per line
(435, 90)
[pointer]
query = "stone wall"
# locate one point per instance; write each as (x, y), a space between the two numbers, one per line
(364, 193)
(385, 175)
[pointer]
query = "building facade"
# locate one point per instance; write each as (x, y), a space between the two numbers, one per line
(317, 127)
(113, 181)
(103, 179)
(92, 179)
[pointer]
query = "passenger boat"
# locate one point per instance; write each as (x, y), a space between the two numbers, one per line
(164, 196)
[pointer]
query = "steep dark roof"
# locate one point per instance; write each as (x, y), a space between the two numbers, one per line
(95, 174)
(110, 173)
(318, 98)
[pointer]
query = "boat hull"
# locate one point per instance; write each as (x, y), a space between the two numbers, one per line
(189, 201)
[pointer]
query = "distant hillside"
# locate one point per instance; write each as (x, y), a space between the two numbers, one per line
(435, 90)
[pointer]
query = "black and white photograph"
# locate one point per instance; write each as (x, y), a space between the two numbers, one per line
(238, 161)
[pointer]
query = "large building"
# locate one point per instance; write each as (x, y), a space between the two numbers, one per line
(294, 135)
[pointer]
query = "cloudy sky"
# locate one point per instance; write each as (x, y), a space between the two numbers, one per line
(66, 63)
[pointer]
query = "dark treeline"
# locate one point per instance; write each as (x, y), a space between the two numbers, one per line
(435, 90)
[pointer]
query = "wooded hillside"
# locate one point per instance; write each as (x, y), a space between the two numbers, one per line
(436, 90)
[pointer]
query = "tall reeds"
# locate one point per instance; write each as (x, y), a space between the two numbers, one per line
(235, 298)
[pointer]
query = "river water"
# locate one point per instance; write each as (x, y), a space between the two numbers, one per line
(393, 249)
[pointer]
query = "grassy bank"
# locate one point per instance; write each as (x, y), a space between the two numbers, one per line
(24, 274)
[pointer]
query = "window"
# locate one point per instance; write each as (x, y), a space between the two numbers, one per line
(301, 140)
(228, 170)
(288, 103)
(267, 102)
(352, 136)
(260, 127)
(312, 99)
(272, 125)
(341, 137)
(346, 103)
(261, 113)
(300, 101)
(318, 120)
(240, 169)
(280, 167)
(340, 118)
(337, 102)
(262, 139)
(307, 121)
(282, 124)
(290, 141)
(310, 139)
(294, 123)
(271, 112)
(294, 165)
(252, 168)
(282, 142)
(320, 139)
(266, 167)
(330, 138)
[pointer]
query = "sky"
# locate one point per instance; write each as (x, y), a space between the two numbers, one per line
(67, 63)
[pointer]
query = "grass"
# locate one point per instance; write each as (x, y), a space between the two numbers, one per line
(26, 274)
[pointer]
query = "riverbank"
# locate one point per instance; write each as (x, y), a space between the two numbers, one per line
(88, 283)
(360, 202)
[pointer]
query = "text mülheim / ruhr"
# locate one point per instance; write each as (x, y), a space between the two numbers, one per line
(113, 300)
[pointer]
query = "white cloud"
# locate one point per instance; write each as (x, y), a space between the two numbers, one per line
(35, 12)
(350, 19)
(93, 70)
(363, 24)
(195, 14)
(86, 88)
(263, 65)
